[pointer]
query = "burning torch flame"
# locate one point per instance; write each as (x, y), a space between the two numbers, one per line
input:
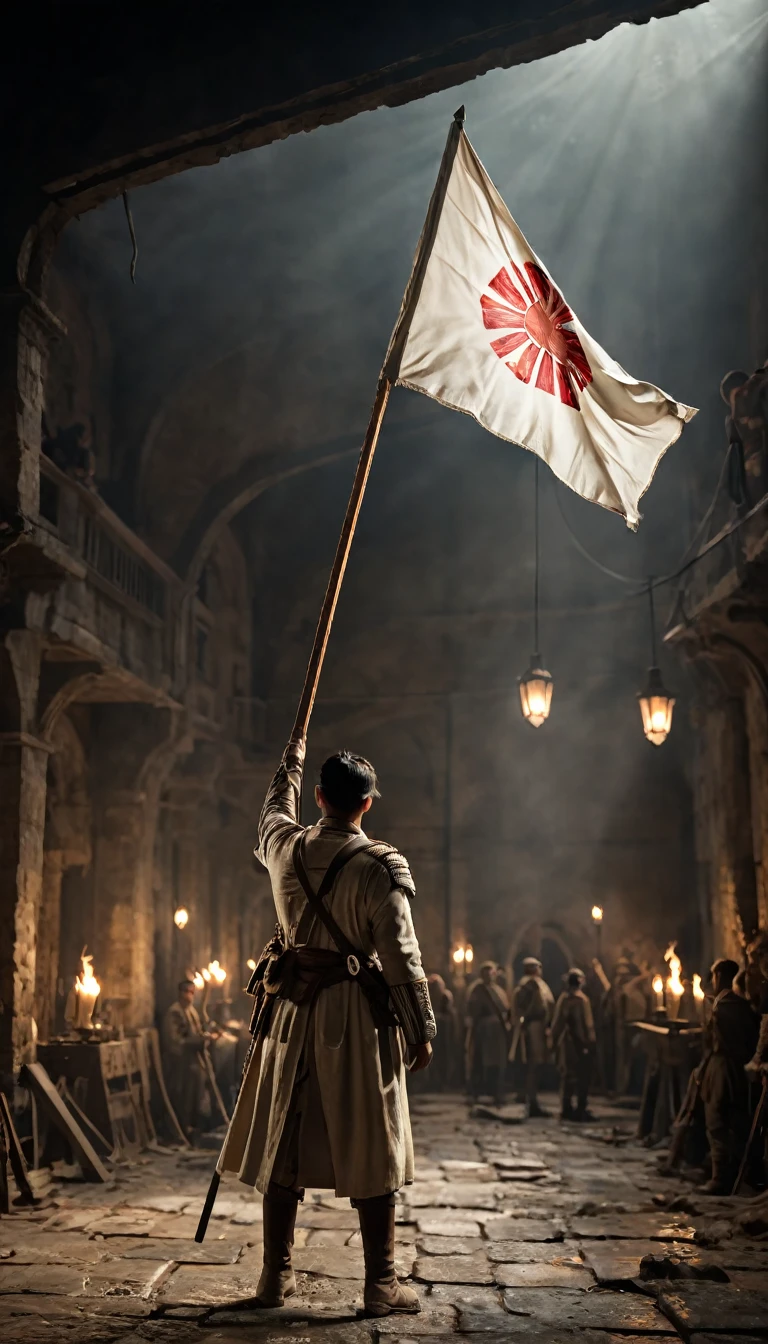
(86, 982)
(181, 918)
(198, 980)
(251, 964)
(698, 992)
(597, 913)
(216, 972)
(658, 984)
(674, 983)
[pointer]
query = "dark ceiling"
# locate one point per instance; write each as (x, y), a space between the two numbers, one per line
(267, 285)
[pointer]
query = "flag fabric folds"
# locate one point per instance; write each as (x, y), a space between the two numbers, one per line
(486, 330)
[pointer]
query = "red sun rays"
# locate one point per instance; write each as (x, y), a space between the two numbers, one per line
(535, 317)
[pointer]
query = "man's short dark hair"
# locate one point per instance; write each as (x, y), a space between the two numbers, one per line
(726, 969)
(186, 984)
(347, 780)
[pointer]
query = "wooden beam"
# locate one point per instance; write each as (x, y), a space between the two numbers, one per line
(36, 1079)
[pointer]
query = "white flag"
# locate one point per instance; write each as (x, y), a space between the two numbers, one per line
(485, 330)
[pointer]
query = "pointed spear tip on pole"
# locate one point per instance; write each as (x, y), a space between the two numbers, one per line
(459, 116)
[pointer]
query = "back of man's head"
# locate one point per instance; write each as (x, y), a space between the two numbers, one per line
(725, 971)
(347, 781)
(575, 978)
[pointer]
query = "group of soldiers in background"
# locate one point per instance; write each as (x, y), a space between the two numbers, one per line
(529, 1029)
(527, 1033)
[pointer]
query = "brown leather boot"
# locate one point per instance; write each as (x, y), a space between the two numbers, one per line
(383, 1294)
(278, 1280)
(720, 1182)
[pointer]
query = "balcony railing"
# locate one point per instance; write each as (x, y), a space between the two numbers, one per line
(82, 520)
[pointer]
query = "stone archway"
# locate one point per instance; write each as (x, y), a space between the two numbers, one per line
(547, 941)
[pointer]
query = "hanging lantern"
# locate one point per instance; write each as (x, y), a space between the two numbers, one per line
(536, 685)
(181, 918)
(536, 688)
(656, 705)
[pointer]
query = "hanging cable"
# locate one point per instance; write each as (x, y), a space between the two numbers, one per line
(132, 231)
(654, 656)
(685, 564)
(612, 573)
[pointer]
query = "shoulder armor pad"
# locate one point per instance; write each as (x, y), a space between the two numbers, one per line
(395, 864)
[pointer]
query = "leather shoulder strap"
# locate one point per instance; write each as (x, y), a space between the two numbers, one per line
(316, 900)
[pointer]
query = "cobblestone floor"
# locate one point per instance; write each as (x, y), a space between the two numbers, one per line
(512, 1230)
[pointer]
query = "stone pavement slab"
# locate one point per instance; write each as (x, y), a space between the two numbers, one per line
(325, 1219)
(441, 1223)
(73, 1220)
(633, 1227)
(333, 1236)
(435, 1318)
(470, 1195)
(524, 1229)
(715, 1308)
(209, 1285)
(46, 1279)
(543, 1276)
(519, 1163)
(121, 1278)
(478, 1308)
(454, 1269)
(129, 1224)
(534, 1252)
(427, 1245)
(80, 1308)
(169, 1203)
(166, 1248)
(568, 1308)
(340, 1262)
(185, 1226)
(50, 1248)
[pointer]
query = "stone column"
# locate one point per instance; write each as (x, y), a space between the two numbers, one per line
(23, 767)
(724, 824)
(47, 952)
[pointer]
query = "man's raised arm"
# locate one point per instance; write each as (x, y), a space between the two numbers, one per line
(280, 814)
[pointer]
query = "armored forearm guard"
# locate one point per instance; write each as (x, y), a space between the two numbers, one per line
(414, 1011)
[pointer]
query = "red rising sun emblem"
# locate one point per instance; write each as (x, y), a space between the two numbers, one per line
(536, 317)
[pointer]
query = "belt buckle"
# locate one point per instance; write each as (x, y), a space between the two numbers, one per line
(353, 965)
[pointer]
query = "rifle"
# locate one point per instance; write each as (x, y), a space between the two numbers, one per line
(753, 1131)
(213, 1188)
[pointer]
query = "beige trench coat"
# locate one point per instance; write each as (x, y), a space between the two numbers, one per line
(360, 1072)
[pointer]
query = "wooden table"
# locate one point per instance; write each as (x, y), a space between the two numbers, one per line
(673, 1049)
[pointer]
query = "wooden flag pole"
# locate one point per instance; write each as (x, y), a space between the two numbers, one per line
(387, 378)
(328, 609)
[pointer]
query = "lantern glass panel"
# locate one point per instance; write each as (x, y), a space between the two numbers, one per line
(536, 695)
(656, 711)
